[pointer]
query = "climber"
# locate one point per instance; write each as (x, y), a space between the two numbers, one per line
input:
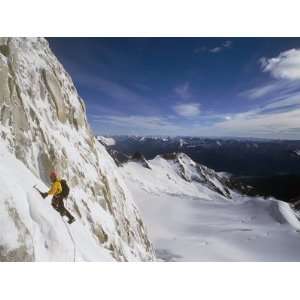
(57, 190)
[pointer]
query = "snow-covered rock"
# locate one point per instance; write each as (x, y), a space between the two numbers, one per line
(190, 220)
(297, 152)
(139, 158)
(43, 126)
(190, 171)
(107, 141)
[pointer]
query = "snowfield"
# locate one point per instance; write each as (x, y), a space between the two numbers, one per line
(190, 222)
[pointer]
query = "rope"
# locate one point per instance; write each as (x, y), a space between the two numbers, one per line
(74, 248)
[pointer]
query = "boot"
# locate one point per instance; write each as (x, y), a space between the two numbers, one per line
(71, 220)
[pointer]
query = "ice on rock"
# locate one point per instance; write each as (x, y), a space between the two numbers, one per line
(43, 126)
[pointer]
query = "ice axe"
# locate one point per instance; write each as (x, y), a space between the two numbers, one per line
(41, 193)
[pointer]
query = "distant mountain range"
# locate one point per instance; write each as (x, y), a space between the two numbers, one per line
(238, 156)
(271, 167)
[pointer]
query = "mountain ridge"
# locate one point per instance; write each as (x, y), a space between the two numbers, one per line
(43, 124)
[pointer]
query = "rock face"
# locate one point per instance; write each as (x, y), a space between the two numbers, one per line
(43, 124)
(139, 157)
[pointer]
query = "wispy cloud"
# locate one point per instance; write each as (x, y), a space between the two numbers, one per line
(138, 124)
(223, 46)
(227, 44)
(282, 88)
(183, 91)
(216, 49)
(267, 125)
(187, 107)
(118, 94)
(200, 49)
(109, 87)
(275, 120)
(290, 102)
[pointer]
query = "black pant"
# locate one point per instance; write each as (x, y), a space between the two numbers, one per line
(58, 204)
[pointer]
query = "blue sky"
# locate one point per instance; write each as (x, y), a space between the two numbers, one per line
(248, 87)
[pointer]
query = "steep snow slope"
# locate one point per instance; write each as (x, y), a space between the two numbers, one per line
(43, 125)
(32, 230)
(189, 220)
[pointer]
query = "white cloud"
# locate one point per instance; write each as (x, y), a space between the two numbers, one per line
(227, 44)
(279, 118)
(223, 46)
(191, 109)
(215, 50)
(285, 66)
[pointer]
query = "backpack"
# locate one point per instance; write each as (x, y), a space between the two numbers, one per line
(65, 188)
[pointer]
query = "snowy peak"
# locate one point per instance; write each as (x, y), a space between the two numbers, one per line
(191, 171)
(177, 173)
(296, 153)
(43, 124)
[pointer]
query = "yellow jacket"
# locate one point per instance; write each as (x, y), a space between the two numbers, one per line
(55, 188)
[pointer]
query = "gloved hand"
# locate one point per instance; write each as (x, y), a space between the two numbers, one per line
(44, 195)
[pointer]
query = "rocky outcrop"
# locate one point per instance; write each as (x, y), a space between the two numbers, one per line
(56, 96)
(191, 171)
(139, 158)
